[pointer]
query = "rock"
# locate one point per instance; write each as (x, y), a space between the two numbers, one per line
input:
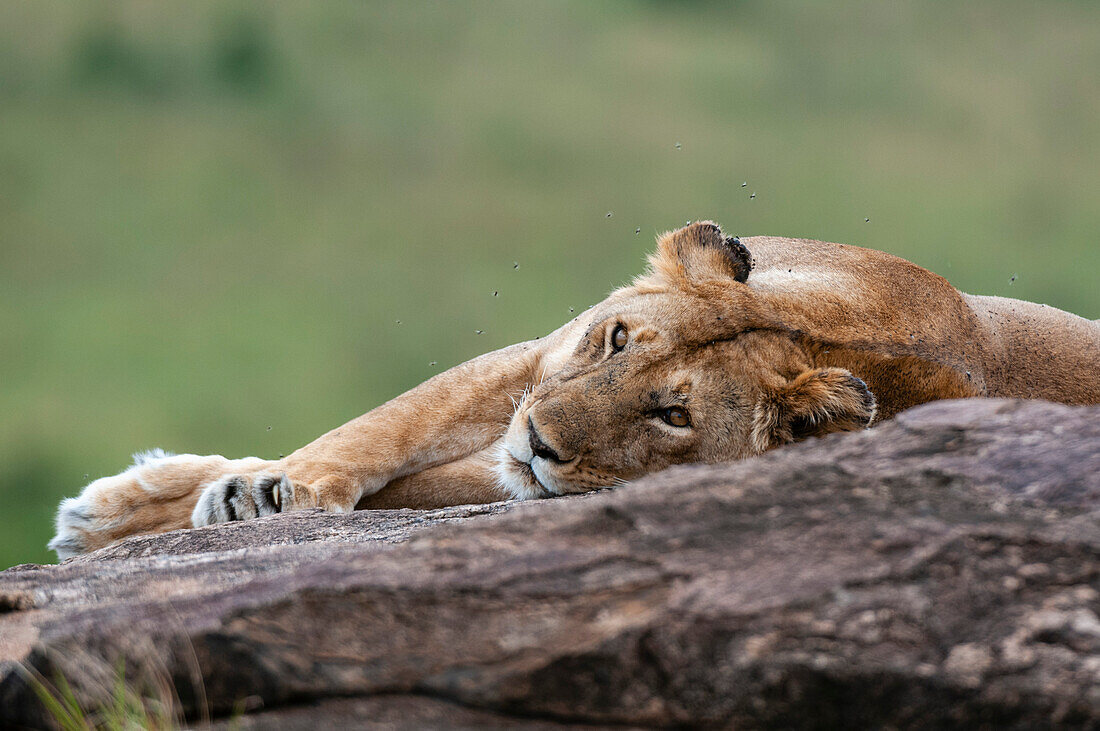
(942, 569)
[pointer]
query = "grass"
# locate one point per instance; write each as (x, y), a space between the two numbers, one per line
(212, 216)
(119, 704)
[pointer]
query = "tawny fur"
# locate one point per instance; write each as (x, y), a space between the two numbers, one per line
(763, 345)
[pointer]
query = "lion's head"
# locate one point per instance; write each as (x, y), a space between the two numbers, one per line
(687, 364)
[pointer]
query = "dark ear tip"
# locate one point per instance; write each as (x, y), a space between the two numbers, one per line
(742, 258)
(707, 235)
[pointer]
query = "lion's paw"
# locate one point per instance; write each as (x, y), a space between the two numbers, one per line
(240, 497)
(151, 496)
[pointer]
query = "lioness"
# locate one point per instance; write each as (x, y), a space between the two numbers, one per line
(712, 354)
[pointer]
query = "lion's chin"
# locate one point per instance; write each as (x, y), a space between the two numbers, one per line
(528, 480)
(517, 479)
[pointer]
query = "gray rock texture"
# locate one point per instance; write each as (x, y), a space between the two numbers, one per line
(940, 570)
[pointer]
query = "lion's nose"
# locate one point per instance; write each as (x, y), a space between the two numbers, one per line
(539, 447)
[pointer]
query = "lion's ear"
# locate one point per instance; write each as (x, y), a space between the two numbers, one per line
(815, 403)
(701, 251)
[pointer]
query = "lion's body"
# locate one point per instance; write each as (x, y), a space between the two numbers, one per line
(914, 338)
(821, 337)
(1036, 351)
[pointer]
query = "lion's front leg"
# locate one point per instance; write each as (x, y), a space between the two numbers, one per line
(456, 414)
(448, 418)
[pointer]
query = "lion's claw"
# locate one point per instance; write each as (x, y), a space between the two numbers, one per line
(240, 497)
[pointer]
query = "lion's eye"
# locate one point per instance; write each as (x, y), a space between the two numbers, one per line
(619, 337)
(675, 416)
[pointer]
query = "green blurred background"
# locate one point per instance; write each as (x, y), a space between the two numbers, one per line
(229, 227)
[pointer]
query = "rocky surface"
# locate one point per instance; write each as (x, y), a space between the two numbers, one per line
(942, 569)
